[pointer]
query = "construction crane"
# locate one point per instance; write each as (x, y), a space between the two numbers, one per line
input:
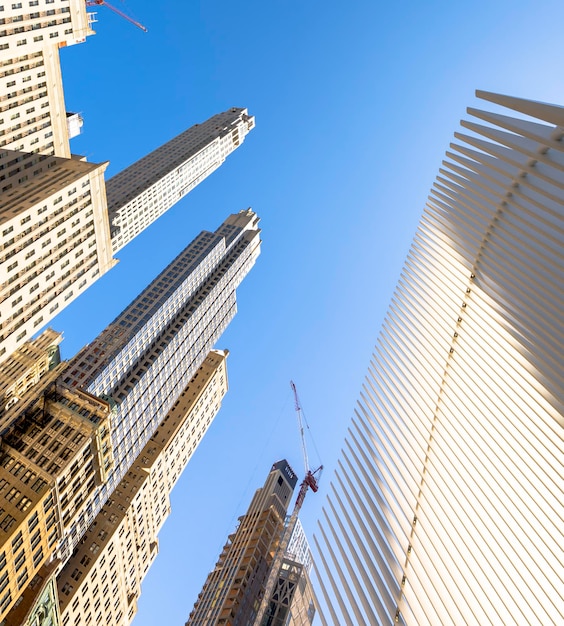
(94, 3)
(309, 482)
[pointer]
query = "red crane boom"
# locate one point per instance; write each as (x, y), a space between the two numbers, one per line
(93, 3)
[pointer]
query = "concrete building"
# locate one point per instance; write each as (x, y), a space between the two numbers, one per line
(447, 504)
(54, 239)
(233, 590)
(101, 582)
(142, 192)
(32, 108)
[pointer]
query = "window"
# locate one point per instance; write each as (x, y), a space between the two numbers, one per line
(17, 541)
(37, 558)
(19, 560)
(12, 494)
(67, 588)
(7, 523)
(24, 504)
(22, 578)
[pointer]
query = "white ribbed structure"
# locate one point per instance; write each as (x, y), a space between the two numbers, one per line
(447, 505)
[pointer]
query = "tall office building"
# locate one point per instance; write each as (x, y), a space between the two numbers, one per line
(142, 192)
(145, 358)
(447, 504)
(58, 234)
(72, 431)
(101, 583)
(233, 590)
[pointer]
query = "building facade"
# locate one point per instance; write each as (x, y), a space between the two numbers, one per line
(144, 359)
(101, 582)
(32, 107)
(292, 601)
(54, 239)
(57, 232)
(233, 590)
(142, 192)
(54, 452)
(447, 503)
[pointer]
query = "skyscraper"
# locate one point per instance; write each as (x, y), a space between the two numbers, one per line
(233, 590)
(72, 431)
(55, 451)
(102, 580)
(292, 601)
(447, 504)
(55, 239)
(58, 233)
(145, 358)
(32, 113)
(142, 192)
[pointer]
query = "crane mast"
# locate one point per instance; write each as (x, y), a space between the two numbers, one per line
(309, 482)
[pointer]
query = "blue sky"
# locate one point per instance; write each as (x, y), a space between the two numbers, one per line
(355, 106)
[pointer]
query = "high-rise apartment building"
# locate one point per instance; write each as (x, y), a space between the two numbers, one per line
(54, 239)
(32, 107)
(447, 504)
(145, 358)
(101, 582)
(142, 192)
(54, 230)
(233, 590)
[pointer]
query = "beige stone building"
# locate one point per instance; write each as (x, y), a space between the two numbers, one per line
(142, 192)
(54, 451)
(54, 233)
(54, 239)
(101, 582)
(32, 108)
